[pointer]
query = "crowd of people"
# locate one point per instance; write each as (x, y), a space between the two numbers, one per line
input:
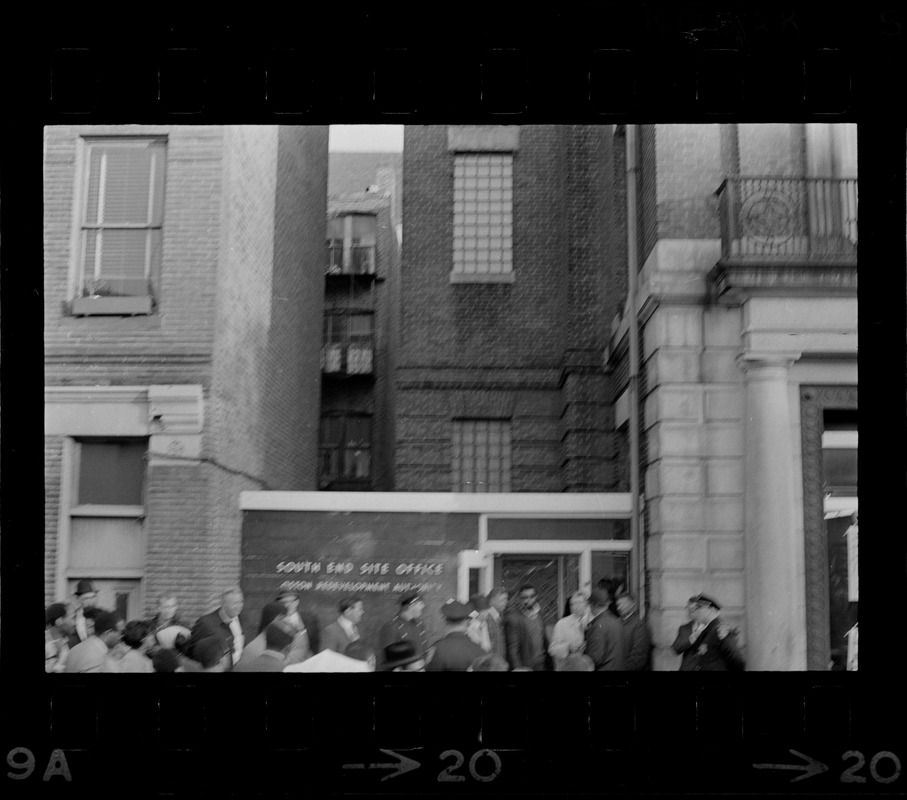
(601, 631)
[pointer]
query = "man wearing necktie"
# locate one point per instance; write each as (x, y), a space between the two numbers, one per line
(224, 624)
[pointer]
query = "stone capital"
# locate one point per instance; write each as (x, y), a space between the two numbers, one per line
(751, 362)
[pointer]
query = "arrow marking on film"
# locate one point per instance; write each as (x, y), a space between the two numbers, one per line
(402, 766)
(812, 766)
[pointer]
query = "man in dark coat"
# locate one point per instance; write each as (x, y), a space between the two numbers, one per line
(604, 634)
(637, 643)
(716, 648)
(223, 624)
(456, 651)
(405, 626)
(525, 634)
(279, 636)
(686, 635)
(86, 598)
(494, 620)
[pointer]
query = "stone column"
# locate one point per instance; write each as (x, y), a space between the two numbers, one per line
(772, 628)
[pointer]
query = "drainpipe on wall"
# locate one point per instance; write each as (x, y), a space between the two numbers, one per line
(633, 387)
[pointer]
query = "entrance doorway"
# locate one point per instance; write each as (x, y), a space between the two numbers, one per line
(555, 577)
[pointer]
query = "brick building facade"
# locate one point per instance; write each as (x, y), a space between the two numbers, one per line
(184, 285)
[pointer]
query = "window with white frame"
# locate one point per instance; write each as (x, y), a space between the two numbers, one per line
(483, 213)
(107, 509)
(481, 455)
(122, 202)
(352, 244)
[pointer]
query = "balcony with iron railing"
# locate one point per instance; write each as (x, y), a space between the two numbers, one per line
(357, 260)
(788, 221)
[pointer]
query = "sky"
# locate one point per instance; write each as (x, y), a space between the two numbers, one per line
(366, 138)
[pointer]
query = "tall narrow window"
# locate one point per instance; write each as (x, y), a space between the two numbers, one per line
(346, 448)
(122, 217)
(483, 213)
(481, 455)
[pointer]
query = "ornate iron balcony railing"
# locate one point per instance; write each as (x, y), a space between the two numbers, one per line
(781, 220)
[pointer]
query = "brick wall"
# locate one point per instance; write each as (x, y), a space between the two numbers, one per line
(529, 351)
(177, 339)
(53, 461)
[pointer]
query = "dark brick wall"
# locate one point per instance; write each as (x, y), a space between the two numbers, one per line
(529, 351)
(53, 459)
(646, 197)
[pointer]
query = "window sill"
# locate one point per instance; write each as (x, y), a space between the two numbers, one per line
(481, 277)
(119, 512)
(111, 306)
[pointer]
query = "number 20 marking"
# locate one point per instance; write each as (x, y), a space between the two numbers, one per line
(446, 775)
(849, 775)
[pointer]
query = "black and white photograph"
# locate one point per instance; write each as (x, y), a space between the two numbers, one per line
(451, 397)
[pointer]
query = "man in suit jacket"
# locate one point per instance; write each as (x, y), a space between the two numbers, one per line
(93, 655)
(456, 651)
(686, 635)
(494, 621)
(345, 629)
(86, 598)
(224, 624)
(637, 644)
(715, 649)
(405, 626)
(302, 620)
(525, 634)
(604, 634)
(279, 638)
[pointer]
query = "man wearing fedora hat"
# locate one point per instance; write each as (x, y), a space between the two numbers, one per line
(456, 651)
(406, 625)
(402, 656)
(86, 597)
(716, 648)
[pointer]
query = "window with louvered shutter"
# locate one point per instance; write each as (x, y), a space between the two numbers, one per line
(122, 216)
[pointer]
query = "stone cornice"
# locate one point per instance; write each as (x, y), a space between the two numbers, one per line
(734, 282)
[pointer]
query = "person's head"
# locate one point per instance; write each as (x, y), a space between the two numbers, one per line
(626, 604)
(290, 601)
(352, 608)
(209, 652)
(108, 627)
(56, 615)
(599, 599)
(272, 611)
(411, 605)
(86, 594)
(706, 609)
(578, 662)
(609, 587)
(361, 652)
(479, 602)
(402, 656)
(691, 609)
(578, 604)
(488, 663)
(232, 602)
(166, 661)
(135, 634)
(456, 615)
(90, 614)
(498, 598)
(278, 637)
(166, 608)
(528, 595)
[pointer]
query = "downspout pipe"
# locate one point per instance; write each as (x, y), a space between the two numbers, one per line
(633, 387)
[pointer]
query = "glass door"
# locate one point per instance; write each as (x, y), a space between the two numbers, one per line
(555, 578)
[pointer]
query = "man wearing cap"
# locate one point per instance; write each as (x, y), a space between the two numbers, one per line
(86, 597)
(715, 649)
(305, 623)
(686, 635)
(402, 656)
(223, 624)
(456, 651)
(525, 634)
(405, 626)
